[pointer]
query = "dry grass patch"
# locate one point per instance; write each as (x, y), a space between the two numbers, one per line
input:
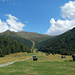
(42, 57)
(14, 57)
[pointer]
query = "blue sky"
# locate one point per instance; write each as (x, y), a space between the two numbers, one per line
(34, 15)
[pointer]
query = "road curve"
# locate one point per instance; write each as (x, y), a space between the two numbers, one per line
(9, 63)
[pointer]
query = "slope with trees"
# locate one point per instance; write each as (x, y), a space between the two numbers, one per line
(8, 45)
(30, 39)
(35, 37)
(15, 36)
(62, 44)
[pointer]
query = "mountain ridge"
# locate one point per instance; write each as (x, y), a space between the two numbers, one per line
(62, 44)
(26, 37)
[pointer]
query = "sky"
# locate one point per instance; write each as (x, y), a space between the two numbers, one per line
(52, 17)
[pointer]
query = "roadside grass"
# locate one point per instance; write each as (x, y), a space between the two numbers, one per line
(39, 68)
(45, 65)
(14, 57)
(42, 57)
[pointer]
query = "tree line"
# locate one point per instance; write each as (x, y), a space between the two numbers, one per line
(63, 44)
(8, 45)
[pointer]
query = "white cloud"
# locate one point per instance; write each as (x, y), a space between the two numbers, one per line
(68, 10)
(15, 25)
(3, 26)
(11, 24)
(60, 26)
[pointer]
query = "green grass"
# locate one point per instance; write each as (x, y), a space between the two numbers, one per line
(39, 68)
(29, 54)
(46, 65)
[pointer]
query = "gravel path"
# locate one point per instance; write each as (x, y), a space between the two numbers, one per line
(9, 63)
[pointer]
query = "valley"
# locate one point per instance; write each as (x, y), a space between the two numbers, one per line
(61, 44)
(45, 47)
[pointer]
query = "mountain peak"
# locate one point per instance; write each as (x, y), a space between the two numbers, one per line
(7, 31)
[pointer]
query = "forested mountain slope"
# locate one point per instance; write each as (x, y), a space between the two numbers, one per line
(29, 39)
(15, 36)
(62, 44)
(35, 37)
(8, 45)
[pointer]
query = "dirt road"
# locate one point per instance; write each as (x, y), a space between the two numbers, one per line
(9, 63)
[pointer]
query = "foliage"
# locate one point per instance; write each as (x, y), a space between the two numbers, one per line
(8, 45)
(62, 44)
(15, 36)
(30, 39)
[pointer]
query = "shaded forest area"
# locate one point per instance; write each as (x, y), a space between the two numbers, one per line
(63, 44)
(8, 45)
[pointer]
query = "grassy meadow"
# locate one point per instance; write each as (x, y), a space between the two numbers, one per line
(14, 57)
(46, 65)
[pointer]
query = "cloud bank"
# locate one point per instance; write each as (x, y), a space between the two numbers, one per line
(15, 25)
(3, 26)
(60, 26)
(12, 23)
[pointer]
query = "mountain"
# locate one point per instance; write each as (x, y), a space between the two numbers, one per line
(15, 36)
(62, 44)
(11, 42)
(35, 37)
(30, 39)
(8, 46)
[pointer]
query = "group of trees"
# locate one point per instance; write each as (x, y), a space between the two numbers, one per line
(62, 44)
(17, 37)
(8, 45)
(11, 42)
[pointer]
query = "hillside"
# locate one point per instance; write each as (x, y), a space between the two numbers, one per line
(30, 39)
(8, 46)
(17, 37)
(34, 37)
(62, 44)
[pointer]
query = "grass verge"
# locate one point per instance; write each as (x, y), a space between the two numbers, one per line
(46, 65)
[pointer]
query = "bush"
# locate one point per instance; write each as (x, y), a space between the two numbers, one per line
(2, 55)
